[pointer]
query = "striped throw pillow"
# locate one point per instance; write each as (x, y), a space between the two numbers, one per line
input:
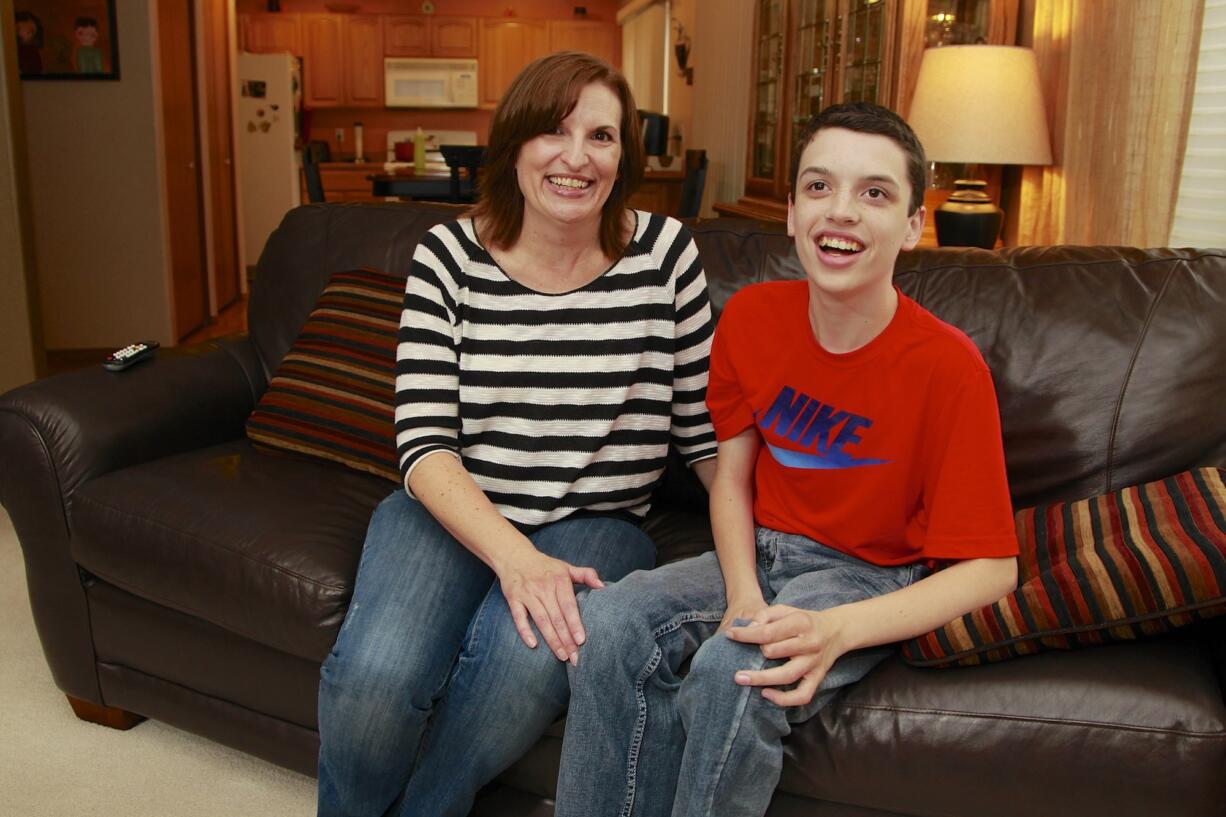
(1133, 563)
(333, 396)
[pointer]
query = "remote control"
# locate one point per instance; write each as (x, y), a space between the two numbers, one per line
(130, 355)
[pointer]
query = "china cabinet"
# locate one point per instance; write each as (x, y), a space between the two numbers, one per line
(812, 53)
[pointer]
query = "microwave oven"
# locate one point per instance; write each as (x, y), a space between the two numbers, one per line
(429, 83)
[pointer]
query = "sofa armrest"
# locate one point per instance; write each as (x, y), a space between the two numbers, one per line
(93, 421)
(59, 432)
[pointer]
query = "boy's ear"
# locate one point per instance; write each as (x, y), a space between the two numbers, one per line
(791, 226)
(915, 228)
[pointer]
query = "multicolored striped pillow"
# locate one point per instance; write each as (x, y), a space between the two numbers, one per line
(334, 393)
(1137, 562)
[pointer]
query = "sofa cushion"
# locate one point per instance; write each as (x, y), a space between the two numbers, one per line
(1047, 736)
(1125, 729)
(262, 546)
(333, 395)
(1135, 562)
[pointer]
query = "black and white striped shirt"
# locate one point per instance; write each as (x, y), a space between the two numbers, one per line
(555, 403)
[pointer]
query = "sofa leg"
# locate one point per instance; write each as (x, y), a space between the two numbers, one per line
(111, 716)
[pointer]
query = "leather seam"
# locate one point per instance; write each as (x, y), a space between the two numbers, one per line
(1118, 727)
(1132, 362)
(194, 691)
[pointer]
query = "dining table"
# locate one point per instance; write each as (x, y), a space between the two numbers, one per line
(428, 185)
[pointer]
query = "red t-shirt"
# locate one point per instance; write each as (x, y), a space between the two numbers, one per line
(891, 453)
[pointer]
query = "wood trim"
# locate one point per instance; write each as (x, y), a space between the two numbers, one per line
(109, 716)
(755, 207)
(24, 215)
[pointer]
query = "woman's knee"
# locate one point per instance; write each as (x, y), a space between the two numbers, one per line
(495, 650)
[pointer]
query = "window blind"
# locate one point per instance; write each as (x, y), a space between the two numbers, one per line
(1200, 210)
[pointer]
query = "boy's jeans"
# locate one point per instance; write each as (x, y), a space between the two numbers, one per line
(429, 693)
(641, 740)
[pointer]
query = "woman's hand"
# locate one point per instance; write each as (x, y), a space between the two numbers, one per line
(808, 640)
(542, 587)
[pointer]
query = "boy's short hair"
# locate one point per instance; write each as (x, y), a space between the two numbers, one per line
(867, 117)
(85, 22)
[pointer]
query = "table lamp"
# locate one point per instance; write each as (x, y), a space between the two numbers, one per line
(978, 104)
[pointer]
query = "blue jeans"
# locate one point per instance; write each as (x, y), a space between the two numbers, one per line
(429, 693)
(643, 740)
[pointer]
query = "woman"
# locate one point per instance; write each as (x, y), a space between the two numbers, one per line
(551, 347)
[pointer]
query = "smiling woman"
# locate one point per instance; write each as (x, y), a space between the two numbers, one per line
(536, 114)
(552, 347)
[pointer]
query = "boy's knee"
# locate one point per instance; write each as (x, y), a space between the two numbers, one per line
(718, 660)
(614, 628)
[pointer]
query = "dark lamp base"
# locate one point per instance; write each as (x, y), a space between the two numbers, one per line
(968, 218)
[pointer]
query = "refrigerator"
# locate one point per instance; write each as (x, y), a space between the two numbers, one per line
(266, 132)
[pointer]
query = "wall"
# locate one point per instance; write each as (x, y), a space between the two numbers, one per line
(97, 201)
(22, 356)
(680, 95)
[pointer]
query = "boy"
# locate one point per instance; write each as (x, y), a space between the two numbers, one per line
(88, 55)
(859, 444)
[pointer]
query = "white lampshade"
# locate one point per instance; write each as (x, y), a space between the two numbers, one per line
(981, 104)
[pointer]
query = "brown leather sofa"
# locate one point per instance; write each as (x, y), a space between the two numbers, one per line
(179, 574)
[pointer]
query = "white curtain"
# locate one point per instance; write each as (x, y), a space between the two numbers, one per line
(1200, 211)
(644, 40)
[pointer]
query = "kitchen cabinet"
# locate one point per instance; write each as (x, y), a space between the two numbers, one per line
(407, 35)
(269, 33)
(342, 60)
(344, 181)
(506, 46)
(812, 53)
(602, 39)
(660, 192)
(363, 66)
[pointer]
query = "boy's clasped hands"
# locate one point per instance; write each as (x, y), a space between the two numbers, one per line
(805, 640)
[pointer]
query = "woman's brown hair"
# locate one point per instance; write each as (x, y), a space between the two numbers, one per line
(544, 94)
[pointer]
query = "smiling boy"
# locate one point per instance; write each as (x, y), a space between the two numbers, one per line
(859, 448)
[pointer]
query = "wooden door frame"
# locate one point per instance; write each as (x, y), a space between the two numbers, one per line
(206, 94)
(173, 225)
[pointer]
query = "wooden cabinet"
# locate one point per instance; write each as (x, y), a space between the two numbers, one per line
(342, 61)
(343, 53)
(602, 39)
(812, 53)
(363, 61)
(453, 36)
(660, 192)
(344, 181)
(507, 45)
(322, 83)
(269, 33)
(407, 35)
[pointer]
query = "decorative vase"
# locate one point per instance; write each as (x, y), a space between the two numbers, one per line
(968, 218)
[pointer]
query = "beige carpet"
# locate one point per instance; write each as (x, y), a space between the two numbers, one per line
(53, 765)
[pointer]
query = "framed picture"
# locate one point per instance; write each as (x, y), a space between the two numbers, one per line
(66, 39)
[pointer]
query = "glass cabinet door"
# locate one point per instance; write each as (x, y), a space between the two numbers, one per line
(815, 35)
(768, 91)
(957, 22)
(864, 54)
